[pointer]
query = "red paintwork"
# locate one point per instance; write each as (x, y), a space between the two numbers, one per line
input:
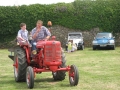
(25, 45)
(48, 70)
(16, 64)
(48, 57)
(27, 50)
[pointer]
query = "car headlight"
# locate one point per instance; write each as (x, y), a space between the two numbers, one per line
(112, 41)
(94, 41)
(80, 41)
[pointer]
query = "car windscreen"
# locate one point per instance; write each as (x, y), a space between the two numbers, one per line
(74, 36)
(104, 35)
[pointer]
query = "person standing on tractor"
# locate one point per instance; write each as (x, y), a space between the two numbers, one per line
(40, 32)
(22, 33)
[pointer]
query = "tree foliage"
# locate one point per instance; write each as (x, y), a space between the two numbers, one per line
(80, 14)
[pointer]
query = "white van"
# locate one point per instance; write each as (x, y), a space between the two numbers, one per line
(76, 38)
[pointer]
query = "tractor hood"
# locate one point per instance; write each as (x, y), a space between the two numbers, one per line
(42, 44)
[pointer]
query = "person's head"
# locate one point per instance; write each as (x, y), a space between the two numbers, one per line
(23, 26)
(69, 42)
(39, 23)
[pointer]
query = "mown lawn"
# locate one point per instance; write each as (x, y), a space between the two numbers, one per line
(98, 70)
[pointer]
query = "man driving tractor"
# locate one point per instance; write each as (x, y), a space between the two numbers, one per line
(39, 33)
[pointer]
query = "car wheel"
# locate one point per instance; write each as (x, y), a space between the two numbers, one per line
(94, 47)
(78, 48)
(113, 47)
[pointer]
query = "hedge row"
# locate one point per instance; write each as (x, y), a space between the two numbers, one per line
(81, 14)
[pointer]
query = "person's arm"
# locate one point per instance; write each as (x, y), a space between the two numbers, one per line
(48, 34)
(27, 37)
(47, 37)
(30, 35)
(34, 34)
(19, 36)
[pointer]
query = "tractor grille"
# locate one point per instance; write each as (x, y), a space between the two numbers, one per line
(53, 51)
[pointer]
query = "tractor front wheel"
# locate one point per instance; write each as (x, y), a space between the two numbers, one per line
(73, 75)
(30, 77)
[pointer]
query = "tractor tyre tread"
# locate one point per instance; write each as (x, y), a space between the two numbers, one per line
(22, 64)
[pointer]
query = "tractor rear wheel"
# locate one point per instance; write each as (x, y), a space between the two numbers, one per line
(73, 75)
(60, 75)
(20, 64)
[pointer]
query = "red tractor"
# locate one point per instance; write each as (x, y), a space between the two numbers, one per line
(49, 58)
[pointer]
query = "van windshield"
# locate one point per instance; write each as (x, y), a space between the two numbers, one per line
(74, 36)
(104, 35)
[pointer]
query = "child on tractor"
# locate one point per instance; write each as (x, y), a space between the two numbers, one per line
(22, 33)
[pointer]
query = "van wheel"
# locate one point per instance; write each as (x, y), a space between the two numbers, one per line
(82, 47)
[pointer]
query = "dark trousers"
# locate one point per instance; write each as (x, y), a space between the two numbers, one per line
(34, 45)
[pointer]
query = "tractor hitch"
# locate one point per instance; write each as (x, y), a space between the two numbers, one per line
(11, 51)
(11, 57)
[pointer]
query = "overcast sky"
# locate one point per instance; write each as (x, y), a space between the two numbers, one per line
(27, 2)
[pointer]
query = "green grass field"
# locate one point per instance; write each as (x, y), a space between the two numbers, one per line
(98, 70)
